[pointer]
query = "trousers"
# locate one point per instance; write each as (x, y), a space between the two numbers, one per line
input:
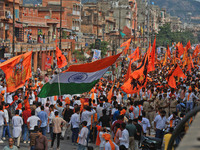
(58, 139)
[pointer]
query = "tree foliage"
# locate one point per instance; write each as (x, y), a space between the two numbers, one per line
(166, 37)
(103, 47)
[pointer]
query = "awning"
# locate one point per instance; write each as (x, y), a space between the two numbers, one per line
(67, 30)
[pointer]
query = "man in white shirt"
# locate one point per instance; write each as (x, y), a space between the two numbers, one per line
(17, 122)
(33, 121)
(75, 122)
(38, 109)
(189, 96)
(51, 117)
(2, 120)
(82, 137)
(6, 128)
(124, 139)
(160, 123)
(86, 116)
(145, 123)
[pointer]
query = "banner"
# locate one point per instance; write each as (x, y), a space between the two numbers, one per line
(17, 71)
(48, 62)
(96, 55)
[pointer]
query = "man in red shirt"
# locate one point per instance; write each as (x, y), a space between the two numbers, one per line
(25, 115)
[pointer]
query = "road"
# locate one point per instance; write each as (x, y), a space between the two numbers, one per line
(65, 144)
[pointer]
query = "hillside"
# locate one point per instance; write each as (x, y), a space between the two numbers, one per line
(180, 8)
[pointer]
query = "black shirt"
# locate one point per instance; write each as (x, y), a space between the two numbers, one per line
(139, 130)
(67, 115)
(105, 120)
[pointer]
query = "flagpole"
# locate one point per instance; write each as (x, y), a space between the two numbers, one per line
(58, 76)
(59, 85)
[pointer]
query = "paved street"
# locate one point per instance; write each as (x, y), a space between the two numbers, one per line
(63, 145)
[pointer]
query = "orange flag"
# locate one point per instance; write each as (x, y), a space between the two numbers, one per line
(165, 60)
(188, 46)
(61, 59)
(191, 61)
(138, 78)
(180, 49)
(153, 51)
(174, 72)
(135, 55)
(128, 74)
(110, 93)
(126, 45)
(196, 51)
(168, 52)
(17, 70)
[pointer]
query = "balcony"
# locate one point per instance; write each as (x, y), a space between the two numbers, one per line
(75, 28)
(77, 13)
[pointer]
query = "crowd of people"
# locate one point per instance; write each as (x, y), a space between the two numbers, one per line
(91, 117)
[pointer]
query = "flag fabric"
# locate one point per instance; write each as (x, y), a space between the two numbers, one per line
(196, 51)
(126, 45)
(153, 51)
(188, 46)
(122, 34)
(48, 62)
(17, 71)
(168, 52)
(127, 76)
(180, 49)
(61, 59)
(78, 79)
(135, 55)
(176, 71)
(138, 78)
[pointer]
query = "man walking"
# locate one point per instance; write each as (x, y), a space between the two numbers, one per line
(2, 120)
(44, 118)
(17, 122)
(82, 137)
(58, 123)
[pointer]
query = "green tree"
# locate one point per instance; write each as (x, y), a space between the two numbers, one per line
(103, 47)
(166, 37)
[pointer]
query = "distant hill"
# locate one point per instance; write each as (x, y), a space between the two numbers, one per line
(180, 8)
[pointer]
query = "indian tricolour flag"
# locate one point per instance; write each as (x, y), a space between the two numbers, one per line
(78, 79)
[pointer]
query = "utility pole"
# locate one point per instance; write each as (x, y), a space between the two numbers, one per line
(13, 46)
(119, 23)
(60, 44)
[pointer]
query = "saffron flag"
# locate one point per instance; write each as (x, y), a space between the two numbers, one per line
(188, 46)
(48, 62)
(61, 59)
(176, 71)
(138, 78)
(153, 51)
(135, 55)
(168, 52)
(128, 72)
(196, 51)
(78, 79)
(126, 45)
(17, 70)
(180, 49)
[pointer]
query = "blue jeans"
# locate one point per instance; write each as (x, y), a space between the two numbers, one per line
(75, 132)
(6, 129)
(44, 130)
(32, 147)
(189, 105)
(159, 134)
(25, 132)
(81, 147)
